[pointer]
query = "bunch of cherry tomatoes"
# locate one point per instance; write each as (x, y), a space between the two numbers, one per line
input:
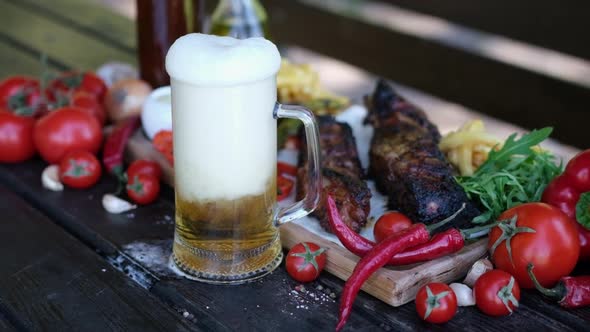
(62, 121)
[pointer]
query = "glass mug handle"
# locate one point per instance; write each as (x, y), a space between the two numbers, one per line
(313, 186)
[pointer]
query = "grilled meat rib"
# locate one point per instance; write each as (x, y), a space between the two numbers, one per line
(407, 164)
(342, 174)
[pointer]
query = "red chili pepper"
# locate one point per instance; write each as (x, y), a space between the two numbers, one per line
(284, 187)
(570, 292)
(570, 192)
(284, 168)
(375, 259)
(114, 148)
(441, 244)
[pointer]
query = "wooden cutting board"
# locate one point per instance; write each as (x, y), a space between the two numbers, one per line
(393, 285)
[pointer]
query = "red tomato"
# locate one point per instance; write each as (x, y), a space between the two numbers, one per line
(578, 171)
(390, 223)
(143, 188)
(436, 303)
(305, 261)
(560, 193)
(537, 233)
(144, 167)
(79, 169)
(90, 104)
(64, 130)
(75, 81)
(19, 91)
(16, 137)
(284, 187)
(162, 142)
(496, 293)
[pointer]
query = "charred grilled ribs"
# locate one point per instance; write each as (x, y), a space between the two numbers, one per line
(342, 174)
(407, 164)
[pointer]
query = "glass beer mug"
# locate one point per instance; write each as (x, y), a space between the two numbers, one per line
(224, 111)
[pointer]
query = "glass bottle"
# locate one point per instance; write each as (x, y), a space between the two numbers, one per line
(159, 24)
(239, 19)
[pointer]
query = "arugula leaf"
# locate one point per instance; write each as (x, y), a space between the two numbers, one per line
(513, 175)
(583, 210)
(513, 147)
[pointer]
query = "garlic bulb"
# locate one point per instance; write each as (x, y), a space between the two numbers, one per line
(480, 267)
(114, 204)
(464, 294)
(50, 178)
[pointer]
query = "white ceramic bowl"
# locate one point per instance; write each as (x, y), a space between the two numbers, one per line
(156, 113)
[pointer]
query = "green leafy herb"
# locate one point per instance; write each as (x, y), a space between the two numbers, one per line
(513, 175)
(583, 210)
(286, 128)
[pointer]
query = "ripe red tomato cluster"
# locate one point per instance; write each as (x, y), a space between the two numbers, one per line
(65, 117)
(63, 124)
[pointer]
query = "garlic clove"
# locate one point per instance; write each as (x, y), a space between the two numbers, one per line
(50, 178)
(464, 294)
(114, 204)
(479, 267)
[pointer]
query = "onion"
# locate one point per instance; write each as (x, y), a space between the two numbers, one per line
(157, 112)
(112, 72)
(464, 294)
(50, 178)
(125, 98)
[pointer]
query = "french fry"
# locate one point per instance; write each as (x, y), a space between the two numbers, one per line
(468, 147)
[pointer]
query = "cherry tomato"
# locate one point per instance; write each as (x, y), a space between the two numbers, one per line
(79, 169)
(305, 261)
(436, 303)
(284, 168)
(284, 187)
(16, 137)
(142, 166)
(578, 171)
(76, 81)
(390, 223)
(19, 91)
(64, 130)
(162, 142)
(496, 293)
(90, 104)
(538, 233)
(143, 188)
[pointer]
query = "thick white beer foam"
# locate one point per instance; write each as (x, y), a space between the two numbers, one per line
(212, 60)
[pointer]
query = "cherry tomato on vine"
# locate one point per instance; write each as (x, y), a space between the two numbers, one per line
(578, 171)
(90, 104)
(143, 188)
(64, 130)
(16, 137)
(496, 293)
(390, 223)
(305, 261)
(142, 166)
(19, 91)
(538, 233)
(72, 82)
(79, 169)
(436, 303)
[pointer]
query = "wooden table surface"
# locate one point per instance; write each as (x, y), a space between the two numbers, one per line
(69, 265)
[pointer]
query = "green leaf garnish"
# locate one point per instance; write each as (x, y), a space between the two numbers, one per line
(583, 210)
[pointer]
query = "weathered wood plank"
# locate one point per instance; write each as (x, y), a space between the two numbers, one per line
(80, 212)
(88, 18)
(17, 62)
(533, 21)
(74, 49)
(519, 96)
(50, 281)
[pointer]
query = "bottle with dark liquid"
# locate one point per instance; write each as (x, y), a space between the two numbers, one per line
(240, 19)
(159, 24)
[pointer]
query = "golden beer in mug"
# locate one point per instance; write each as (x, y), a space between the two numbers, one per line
(224, 114)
